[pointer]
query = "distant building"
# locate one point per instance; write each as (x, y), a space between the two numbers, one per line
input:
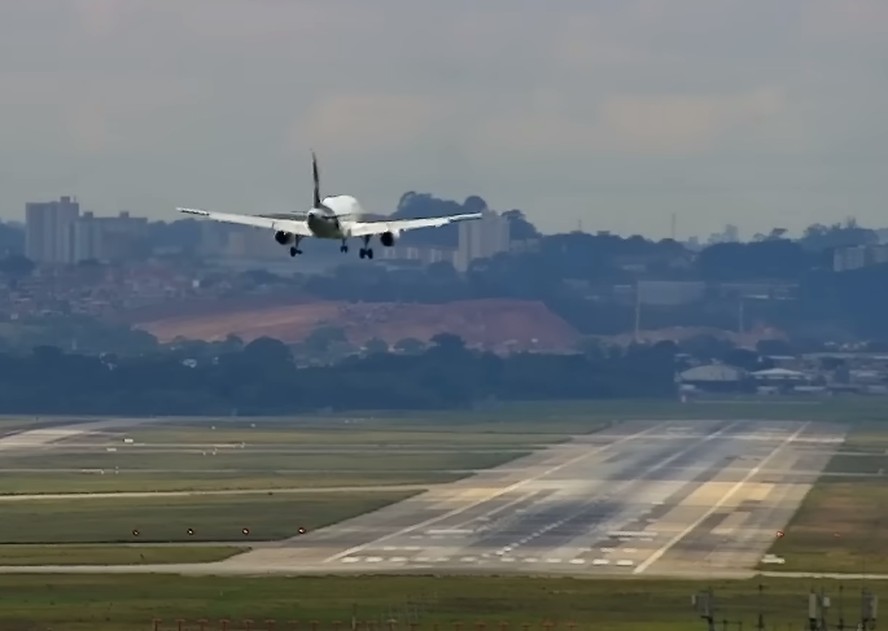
(422, 254)
(714, 378)
(482, 239)
(858, 256)
(782, 376)
(108, 238)
(49, 230)
(669, 293)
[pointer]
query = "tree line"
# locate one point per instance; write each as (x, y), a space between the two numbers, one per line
(262, 378)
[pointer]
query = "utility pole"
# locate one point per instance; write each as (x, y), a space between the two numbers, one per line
(704, 603)
(869, 606)
(818, 604)
(841, 607)
(760, 624)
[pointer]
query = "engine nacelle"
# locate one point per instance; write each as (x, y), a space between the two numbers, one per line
(387, 239)
(283, 237)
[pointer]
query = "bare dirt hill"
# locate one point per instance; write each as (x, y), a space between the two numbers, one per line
(495, 324)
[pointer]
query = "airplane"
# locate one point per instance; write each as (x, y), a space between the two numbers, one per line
(334, 217)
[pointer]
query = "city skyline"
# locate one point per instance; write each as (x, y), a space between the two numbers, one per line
(623, 115)
(729, 229)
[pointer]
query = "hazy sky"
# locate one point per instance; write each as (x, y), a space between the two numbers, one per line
(617, 113)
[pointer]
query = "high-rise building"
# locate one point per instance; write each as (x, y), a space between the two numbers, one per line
(49, 230)
(87, 238)
(108, 238)
(482, 238)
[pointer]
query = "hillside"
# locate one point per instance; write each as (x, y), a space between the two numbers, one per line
(493, 324)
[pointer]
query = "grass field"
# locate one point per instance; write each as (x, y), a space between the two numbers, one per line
(842, 525)
(557, 417)
(577, 413)
(213, 518)
(129, 602)
(65, 554)
(865, 451)
(319, 458)
(265, 432)
(250, 468)
(364, 460)
(38, 482)
(216, 454)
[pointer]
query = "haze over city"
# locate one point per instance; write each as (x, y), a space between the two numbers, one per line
(615, 114)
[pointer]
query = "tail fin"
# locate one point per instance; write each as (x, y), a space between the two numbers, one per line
(316, 202)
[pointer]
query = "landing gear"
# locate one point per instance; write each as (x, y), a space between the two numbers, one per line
(366, 251)
(294, 249)
(344, 247)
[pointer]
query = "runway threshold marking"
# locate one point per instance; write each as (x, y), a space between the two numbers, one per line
(495, 494)
(730, 493)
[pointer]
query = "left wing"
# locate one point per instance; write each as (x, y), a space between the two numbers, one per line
(294, 226)
(367, 228)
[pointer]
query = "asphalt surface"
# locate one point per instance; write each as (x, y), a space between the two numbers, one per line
(691, 499)
(42, 437)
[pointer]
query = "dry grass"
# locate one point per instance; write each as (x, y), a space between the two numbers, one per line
(491, 322)
(841, 525)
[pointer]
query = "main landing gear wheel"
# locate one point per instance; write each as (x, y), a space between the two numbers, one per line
(294, 251)
(366, 251)
(343, 248)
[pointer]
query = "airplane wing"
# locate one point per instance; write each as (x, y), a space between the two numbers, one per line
(365, 228)
(293, 226)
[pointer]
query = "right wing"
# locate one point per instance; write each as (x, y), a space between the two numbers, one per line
(367, 228)
(293, 226)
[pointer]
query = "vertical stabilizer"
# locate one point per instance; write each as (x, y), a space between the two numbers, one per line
(316, 202)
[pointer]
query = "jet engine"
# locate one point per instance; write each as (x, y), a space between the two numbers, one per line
(387, 239)
(283, 237)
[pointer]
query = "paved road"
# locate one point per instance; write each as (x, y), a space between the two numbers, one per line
(676, 498)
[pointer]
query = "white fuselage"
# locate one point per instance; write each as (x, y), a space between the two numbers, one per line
(324, 224)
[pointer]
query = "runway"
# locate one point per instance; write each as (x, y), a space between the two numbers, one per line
(656, 498)
(690, 499)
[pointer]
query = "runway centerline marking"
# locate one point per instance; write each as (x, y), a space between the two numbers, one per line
(495, 494)
(730, 493)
